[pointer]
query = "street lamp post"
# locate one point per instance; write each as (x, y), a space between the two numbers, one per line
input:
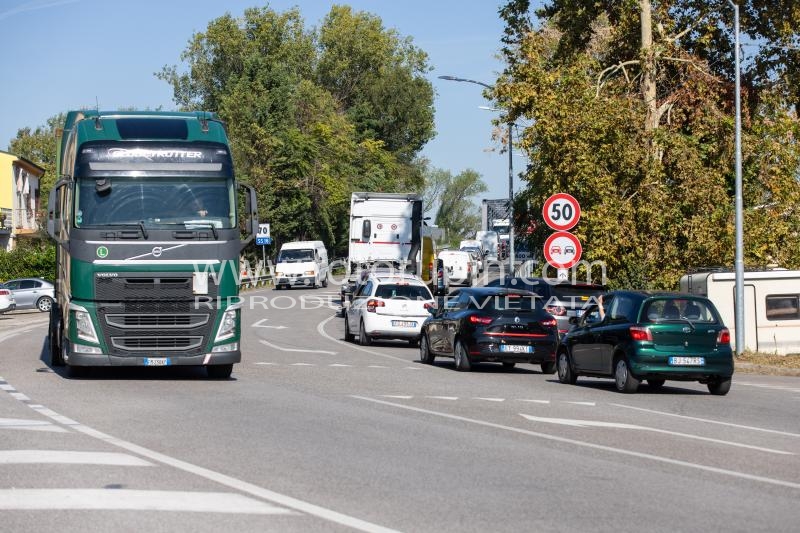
(510, 174)
(739, 260)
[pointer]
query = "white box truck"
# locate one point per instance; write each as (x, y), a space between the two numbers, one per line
(771, 306)
(385, 232)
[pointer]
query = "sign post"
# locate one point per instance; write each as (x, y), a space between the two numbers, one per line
(263, 238)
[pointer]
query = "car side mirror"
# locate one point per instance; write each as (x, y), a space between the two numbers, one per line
(573, 320)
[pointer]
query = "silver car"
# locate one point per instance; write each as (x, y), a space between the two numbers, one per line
(32, 293)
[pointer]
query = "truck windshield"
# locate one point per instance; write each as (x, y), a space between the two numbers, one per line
(296, 256)
(152, 201)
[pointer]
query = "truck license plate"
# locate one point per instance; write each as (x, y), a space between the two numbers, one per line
(156, 361)
(687, 361)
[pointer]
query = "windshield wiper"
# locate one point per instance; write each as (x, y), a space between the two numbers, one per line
(141, 227)
(206, 224)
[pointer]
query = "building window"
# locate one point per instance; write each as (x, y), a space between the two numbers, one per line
(783, 307)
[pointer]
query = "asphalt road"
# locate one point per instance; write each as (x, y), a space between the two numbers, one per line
(316, 434)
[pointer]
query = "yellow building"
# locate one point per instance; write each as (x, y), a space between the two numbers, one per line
(19, 199)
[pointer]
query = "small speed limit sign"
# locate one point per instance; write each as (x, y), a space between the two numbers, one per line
(561, 211)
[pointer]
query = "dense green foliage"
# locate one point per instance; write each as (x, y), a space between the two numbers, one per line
(448, 200)
(656, 201)
(39, 147)
(312, 114)
(31, 258)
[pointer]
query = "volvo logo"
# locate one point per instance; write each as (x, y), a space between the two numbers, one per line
(157, 251)
(687, 329)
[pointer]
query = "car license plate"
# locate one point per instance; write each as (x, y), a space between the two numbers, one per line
(404, 324)
(687, 361)
(156, 361)
(516, 348)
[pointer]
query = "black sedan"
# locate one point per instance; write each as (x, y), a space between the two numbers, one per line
(490, 324)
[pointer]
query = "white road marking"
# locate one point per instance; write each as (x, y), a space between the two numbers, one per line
(19, 396)
(765, 386)
(6, 387)
(706, 420)
(591, 404)
(302, 364)
(412, 368)
(262, 341)
(491, 399)
(616, 425)
(450, 398)
(351, 346)
(377, 366)
(609, 449)
(228, 481)
(339, 364)
(70, 457)
(266, 363)
(533, 401)
(398, 397)
(19, 331)
(135, 500)
(30, 425)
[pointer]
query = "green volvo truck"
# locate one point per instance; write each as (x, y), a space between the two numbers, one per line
(146, 218)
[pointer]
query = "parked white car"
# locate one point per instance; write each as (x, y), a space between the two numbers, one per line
(388, 307)
(7, 302)
(460, 266)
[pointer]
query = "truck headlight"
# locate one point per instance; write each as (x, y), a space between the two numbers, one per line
(227, 326)
(83, 323)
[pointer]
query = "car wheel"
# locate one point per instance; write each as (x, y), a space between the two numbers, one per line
(564, 367)
(548, 367)
(363, 338)
(719, 386)
(463, 363)
(656, 383)
(349, 337)
(623, 379)
(219, 371)
(509, 365)
(44, 304)
(425, 354)
(413, 342)
(325, 281)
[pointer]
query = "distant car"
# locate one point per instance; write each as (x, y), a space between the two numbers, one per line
(492, 324)
(639, 336)
(477, 255)
(561, 299)
(32, 293)
(388, 307)
(7, 302)
(461, 267)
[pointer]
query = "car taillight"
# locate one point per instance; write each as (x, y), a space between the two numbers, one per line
(4, 292)
(469, 267)
(556, 310)
(548, 323)
(429, 305)
(482, 320)
(372, 304)
(641, 334)
(724, 336)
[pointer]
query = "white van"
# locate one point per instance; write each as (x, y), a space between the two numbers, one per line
(303, 263)
(771, 306)
(459, 266)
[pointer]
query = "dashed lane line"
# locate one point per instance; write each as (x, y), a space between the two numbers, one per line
(63, 457)
(584, 444)
(350, 346)
(300, 350)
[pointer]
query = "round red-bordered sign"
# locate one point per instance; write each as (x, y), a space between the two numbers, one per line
(561, 211)
(562, 249)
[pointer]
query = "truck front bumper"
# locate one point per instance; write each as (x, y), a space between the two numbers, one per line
(221, 358)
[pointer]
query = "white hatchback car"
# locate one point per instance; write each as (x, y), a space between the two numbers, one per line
(388, 307)
(7, 302)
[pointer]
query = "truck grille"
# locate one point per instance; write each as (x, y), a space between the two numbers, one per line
(154, 315)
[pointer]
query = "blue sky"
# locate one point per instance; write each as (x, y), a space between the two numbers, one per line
(69, 54)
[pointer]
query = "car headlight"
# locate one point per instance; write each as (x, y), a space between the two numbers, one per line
(83, 323)
(309, 273)
(227, 326)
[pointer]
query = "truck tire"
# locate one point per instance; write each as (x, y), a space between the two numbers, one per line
(54, 340)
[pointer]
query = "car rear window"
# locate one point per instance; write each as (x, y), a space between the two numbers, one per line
(395, 291)
(666, 309)
(567, 292)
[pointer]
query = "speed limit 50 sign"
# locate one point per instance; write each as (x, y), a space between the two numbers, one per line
(561, 211)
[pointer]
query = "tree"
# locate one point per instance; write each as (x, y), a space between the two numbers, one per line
(39, 146)
(457, 214)
(309, 120)
(577, 78)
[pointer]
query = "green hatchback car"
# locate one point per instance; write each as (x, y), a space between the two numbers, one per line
(634, 336)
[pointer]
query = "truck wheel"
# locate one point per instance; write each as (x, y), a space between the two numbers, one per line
(219, 371)
(55, 345)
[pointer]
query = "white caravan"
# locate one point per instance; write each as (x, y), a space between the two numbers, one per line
(771, 306)
(302, 263)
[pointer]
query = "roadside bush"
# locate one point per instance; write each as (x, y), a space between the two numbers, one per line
(35, 259)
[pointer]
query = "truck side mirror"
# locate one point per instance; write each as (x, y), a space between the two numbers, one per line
(366, 230)
(54, 225)
(251, 213)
